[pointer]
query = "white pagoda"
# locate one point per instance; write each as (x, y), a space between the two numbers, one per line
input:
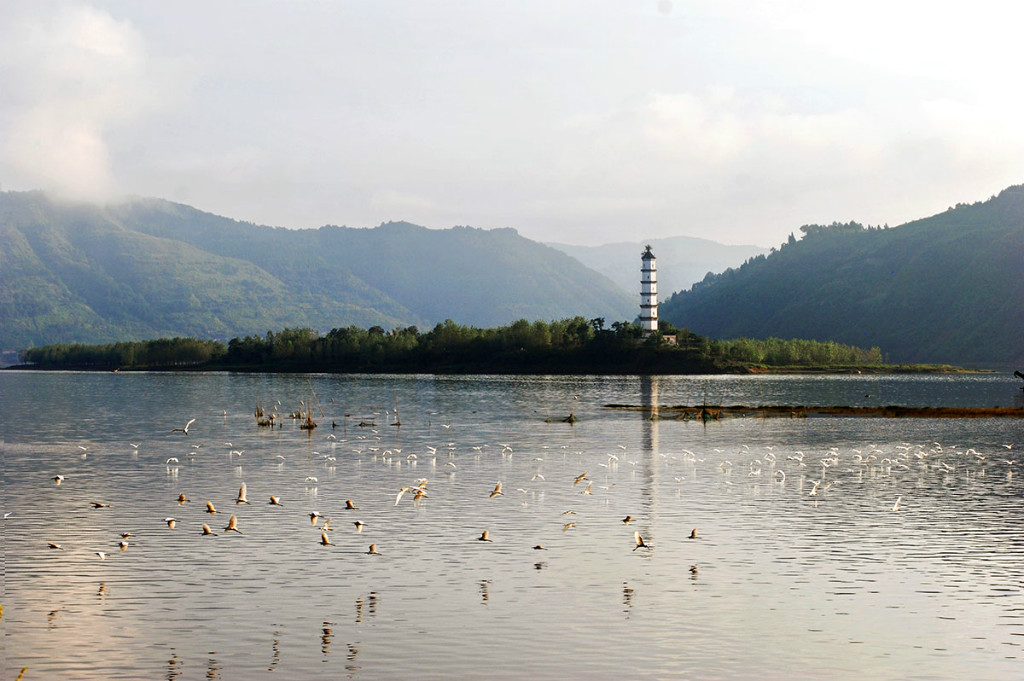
(648, 293)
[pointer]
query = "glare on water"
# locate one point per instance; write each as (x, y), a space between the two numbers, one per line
(824, 547)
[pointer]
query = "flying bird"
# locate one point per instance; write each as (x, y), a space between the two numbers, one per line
(233, 525)
(99, 504)
(54, 545)
(123, 545)
(373, 550)
(102, 555)
(497, 491)
(183, 499)
(313, 516)
(241, 495)
(207, 530)
(627, 520)
(640, 543)
(58, 479)
(210, 508)
(171, 522)
(275, 501)
(324, 539)
(185, 429)
(350, 506)
(485, 536)
(896, 506)
(568, 526)
(580, 477)
(693, 533)
(359, 525)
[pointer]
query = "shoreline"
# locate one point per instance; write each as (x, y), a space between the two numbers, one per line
(718, 412)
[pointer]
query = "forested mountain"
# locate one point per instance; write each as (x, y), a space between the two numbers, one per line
(681, 260)
(73, 272)
(947, 289)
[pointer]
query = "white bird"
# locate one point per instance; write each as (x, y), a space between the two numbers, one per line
(241, 495)
(896, 506)
(640, 543)
(324, 539)
(102, 555)
(207, 530)
(233, 525)
(171, 522)
(497, 491)
(185, 429)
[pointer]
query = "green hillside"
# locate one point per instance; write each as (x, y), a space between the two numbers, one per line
(72, 272)
(945, 289)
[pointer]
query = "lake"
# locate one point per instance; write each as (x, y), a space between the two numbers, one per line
(841, 548)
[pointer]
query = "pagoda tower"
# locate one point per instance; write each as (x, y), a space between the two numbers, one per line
(648, 293)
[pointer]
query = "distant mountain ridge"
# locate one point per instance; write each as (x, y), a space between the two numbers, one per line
(147, 268)
(943, 289)
(681, 260)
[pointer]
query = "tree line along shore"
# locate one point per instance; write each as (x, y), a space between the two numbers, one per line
(569, 346)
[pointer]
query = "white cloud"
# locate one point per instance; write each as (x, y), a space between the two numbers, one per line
(72, 75)
(588, 120)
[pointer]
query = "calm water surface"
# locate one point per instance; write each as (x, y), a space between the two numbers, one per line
(801, 569)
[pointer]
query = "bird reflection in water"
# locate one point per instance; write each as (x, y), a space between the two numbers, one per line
(627, 598)
(370, 603)
(351, 656)
(485, 594)
(325, 639)
(173, 666)
(540, 565)
(212, 668)
(101, 593)
(275, 651)
(693, 572)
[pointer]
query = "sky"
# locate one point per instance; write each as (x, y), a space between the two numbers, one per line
(576, 121)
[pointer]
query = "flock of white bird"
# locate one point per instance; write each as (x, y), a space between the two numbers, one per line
(819, 472)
